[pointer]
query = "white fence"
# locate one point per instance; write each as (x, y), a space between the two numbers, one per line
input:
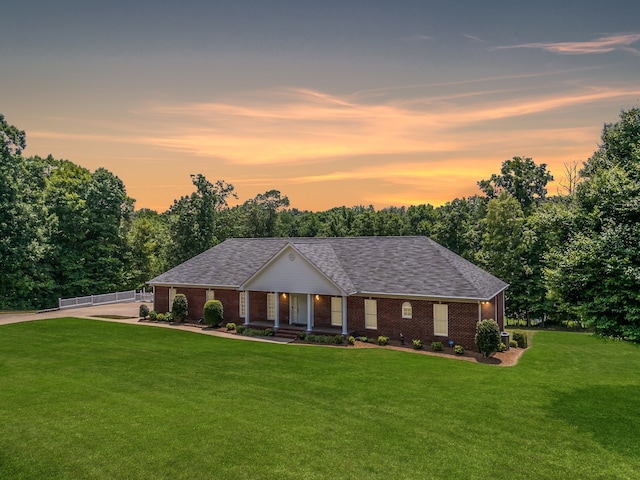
(116, 297)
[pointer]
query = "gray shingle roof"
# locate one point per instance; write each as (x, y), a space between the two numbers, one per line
(415, 266)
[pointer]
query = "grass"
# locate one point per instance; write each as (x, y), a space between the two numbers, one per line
(91, 399)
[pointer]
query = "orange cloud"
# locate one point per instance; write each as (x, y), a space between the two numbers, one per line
(600, 45)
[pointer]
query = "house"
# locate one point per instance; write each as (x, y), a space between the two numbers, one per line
(350, 285)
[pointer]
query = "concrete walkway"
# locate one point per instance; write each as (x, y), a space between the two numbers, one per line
(131, 310)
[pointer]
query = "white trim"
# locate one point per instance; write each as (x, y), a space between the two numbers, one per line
(407, 313)
(345, 331)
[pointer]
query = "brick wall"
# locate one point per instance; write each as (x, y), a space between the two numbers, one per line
(322, 311)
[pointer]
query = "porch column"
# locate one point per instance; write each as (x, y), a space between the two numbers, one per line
(344, 316)
(479, 311)
(309, 312)
(246, 307)
(276, 320)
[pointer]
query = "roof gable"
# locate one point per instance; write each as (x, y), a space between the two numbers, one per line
(290, 270)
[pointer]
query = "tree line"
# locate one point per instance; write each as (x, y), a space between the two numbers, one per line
(65, 231)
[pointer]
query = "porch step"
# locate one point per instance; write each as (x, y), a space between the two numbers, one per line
(288, 333)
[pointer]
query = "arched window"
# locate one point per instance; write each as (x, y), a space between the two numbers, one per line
(407, 311)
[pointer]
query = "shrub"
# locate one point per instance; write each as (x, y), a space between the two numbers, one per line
(363, 339)
(338, 339)
(521, 338)
(143, 311)
(240, 329)
(351, 340)
(153, 315)
(161, 317)
(513, 344)
(231, 326)
(417, 344)
(502, 347)
(168, 317)
(436, 346)
(458, 349)
(180, 307)
(213, 313)
(269, 332)
(302, 335)
(487, 337)
(382, 340)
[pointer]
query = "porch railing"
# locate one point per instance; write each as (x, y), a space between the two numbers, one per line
(105, 298)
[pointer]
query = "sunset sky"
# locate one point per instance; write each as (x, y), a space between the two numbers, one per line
(331, 102)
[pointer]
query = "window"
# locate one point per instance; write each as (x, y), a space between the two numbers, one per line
(441, 320)
(271, 306)
(243, 305)
(336, 311)
(407, 312)
(371, 314)
(211, 295)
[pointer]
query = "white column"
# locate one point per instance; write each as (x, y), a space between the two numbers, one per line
(479, 311)
(309, 312)
(344, 316)
(246, 307)
(276, 321)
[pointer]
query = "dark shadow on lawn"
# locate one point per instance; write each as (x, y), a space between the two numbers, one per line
(609, 413)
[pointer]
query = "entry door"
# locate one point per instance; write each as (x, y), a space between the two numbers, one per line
(298, 309)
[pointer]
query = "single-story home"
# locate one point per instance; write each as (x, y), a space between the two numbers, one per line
(393, 286)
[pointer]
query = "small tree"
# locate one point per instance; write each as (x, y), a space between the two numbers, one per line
(180, 307)
(213, 312)
(487, 337)
(144, 311)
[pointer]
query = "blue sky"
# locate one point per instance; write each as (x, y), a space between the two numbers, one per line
(384, 103)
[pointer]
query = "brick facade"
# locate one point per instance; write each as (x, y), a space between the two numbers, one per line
(462, 317)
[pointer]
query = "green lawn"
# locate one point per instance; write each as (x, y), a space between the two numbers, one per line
(93, 399)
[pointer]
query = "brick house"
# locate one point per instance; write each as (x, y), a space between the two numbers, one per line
(350, 285)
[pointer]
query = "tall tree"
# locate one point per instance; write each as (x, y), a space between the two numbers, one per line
(521, 178)
(598, 270)
(261, 213)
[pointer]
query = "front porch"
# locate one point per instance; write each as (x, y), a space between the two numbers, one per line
(292, 330)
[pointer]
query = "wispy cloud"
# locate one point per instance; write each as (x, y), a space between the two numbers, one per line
(473, 37)
(418, 37)
(600, 45)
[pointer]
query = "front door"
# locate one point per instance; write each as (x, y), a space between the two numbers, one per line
(298, 309)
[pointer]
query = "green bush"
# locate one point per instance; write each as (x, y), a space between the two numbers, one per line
(363, 339)
(417, 344)
(513, 344)
(436, 346)
(213, 313)
(180, 307)
(143, 311)
(520, 338)
(458, 349)
(351, 340)
(382, 340)
(338, 339)
(153, 315)
(231, 326)
(240, 329)
(269, 332)
(302, 335)
(168, 317)
(487, 337)
(502, 347)
(161, 317)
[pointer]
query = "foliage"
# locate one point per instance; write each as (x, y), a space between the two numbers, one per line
(161, 317)
(180, 307)
(363, 339)
(213, 313)
(521, 178)
(255, 332)
(502, 347)
(417, 344)
(231, 326)
(458, 349)
(520, 338)
(382, 340)
(487, 337)
(153, 315)
(327, 339)
(143, 311)
(240, 329)
(302, 335)
(513, 344)
(436, 346)
(351, 340)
